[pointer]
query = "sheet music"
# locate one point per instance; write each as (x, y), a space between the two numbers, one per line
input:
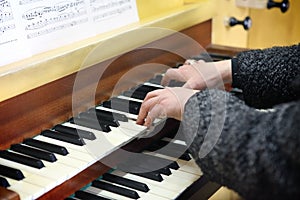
(51, 22)
(12, 46)
(35, 26)
(110, 14)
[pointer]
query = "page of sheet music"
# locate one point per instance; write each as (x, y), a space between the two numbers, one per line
(12, 44)
(42, 25)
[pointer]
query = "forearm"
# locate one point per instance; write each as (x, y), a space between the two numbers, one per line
(243, 149)
(266, 76)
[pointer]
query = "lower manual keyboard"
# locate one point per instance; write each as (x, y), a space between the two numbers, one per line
(156, 184)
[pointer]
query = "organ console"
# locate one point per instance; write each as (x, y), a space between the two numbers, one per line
(39, 124)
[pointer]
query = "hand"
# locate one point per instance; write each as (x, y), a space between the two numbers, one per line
(199, 75)
(167, 102)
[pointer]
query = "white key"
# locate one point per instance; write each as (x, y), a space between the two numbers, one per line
(66, 160)
(110, 141)
(155, 85)
(129, 98)
(23, 189)
(75, 151)
(20, 190)
(105, 143)
(48, 176)
(142, 195)
(71, 171)
(33, 184)
(128, 115)
(132, 125)
(106, 194)
(187, 166)
(165, 188)
(132, 117)
(156, 121)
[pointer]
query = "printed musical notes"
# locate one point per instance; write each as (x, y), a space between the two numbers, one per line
(50, 22)
(46, 24)
(5, 11)
(11, 44)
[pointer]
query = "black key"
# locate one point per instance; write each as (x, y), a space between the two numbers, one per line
(34, 152)
(46, 146)
(10, 172)
(73, 139)
(115, 189)
(3, 182)
(93, 124)
(140, 91)
(150, 160)
(174, 83)
(164, 171)
(135, 94)
(88, 196)
(101, 120)
(126, 182)
(185, 156)
(146, 166)
(156, 79)
(124, 105)
(75, 131)
(146, 88)
(155, 176)
(25, 160)
(172, 149)
(109, 114)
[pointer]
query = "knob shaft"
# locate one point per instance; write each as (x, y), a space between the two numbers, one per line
(284, 5)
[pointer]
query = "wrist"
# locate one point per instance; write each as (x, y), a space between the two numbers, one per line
(225, 70)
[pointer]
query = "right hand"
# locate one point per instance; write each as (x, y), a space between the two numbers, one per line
(199, 75)
(167, 102)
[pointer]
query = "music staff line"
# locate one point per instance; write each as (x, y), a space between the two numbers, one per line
(24, 2)
(52, 20)
(39, 12)
(6, 28)
(57, 28)
(5, 11)
(111, 13)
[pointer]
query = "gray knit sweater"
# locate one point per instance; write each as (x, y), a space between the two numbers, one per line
(252, 151)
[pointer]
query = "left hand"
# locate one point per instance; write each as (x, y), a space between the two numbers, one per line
(167, 102)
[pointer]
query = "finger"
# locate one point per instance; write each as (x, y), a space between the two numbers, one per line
(187, 85)
(190, 62)
(152, 94)
(156, 112)
(171, 74)
(146, 106)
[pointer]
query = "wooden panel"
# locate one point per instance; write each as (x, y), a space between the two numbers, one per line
(229, 36)
(271, 27)
(8, 194)
(153, 7)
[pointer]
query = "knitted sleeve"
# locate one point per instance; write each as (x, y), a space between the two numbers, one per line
(266, 76)
(253, 152)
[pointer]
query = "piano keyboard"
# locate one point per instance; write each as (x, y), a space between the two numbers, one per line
(39, 164)
(166, 183)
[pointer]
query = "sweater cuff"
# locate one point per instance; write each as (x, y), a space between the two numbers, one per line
(234, 72)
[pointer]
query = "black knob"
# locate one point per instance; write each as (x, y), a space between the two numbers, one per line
(246, 23)
(284, 5)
